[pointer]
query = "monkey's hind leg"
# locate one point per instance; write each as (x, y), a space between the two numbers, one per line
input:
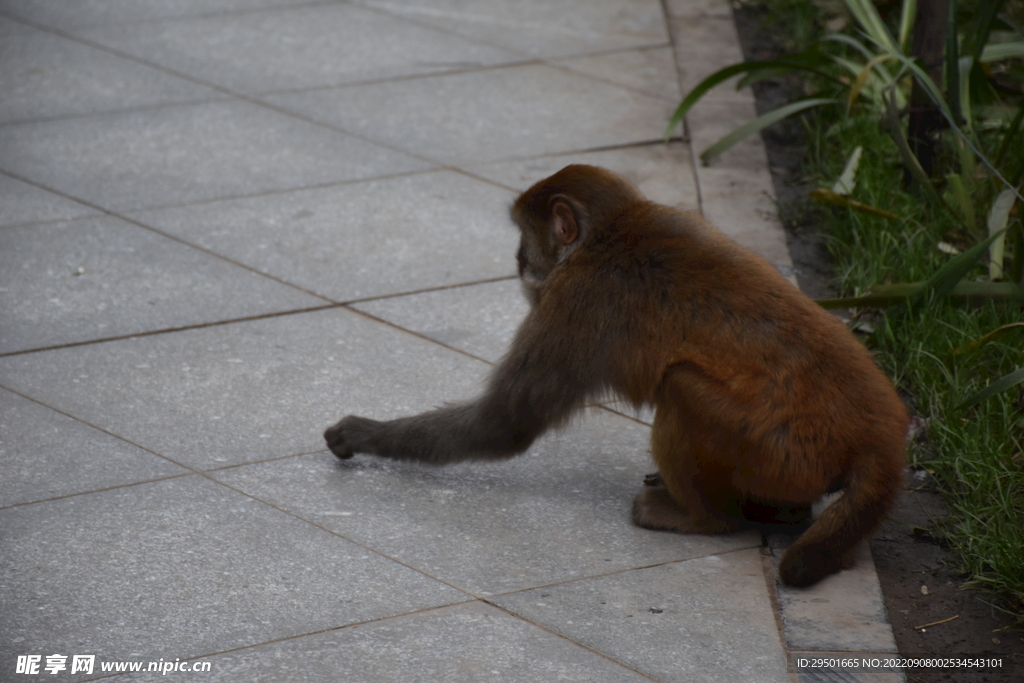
(655, 508)
(669, 500)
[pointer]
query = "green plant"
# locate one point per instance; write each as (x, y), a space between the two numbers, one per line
(935, 275)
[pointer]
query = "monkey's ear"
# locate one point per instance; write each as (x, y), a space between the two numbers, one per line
(563, 221)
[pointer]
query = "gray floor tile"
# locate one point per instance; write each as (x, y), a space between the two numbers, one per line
(488, 115)
(650, 70)
(459, 644)
(363, 239)
(698, 8)
(704, 45)
(843, 612)
(131, 281)
(287, 48)
(713, 120)
(184, 567)
(48, 76)
(46, 454)
(542, 28)
(753, 223)
(668, 621)
(63, 14)
(559, 512)
(742, 171)
(144, 563)
(24, 203)
(247, 391)
(664, 173)
(187, 153)
(479, 319)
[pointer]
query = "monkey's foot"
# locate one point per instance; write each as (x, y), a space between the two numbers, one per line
(654, 508)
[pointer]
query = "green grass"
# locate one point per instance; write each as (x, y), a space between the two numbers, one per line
(974, 453)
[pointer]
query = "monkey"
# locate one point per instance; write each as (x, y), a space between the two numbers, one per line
(763, 401)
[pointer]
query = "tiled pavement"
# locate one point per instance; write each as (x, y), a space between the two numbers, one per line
(226, 223)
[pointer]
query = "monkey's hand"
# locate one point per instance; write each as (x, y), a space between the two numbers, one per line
(351, 435)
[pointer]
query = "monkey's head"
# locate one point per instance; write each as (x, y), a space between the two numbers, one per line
(560, 213)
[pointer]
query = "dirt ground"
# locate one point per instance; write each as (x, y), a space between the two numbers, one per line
(930, 611)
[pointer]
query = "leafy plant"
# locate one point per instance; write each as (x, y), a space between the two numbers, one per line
(936, 272)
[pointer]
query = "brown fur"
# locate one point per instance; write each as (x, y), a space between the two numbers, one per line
(763, 400)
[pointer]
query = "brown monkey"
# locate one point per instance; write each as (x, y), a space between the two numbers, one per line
(763, 400)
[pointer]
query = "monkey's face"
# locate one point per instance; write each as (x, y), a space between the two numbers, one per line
(551, 225)
(533, 266)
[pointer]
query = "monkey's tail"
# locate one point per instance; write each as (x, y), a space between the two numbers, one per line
(830, 544)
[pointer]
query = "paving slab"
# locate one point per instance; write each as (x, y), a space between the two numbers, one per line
(21, 203)
(61, 14)
(111, 278)
(221, 156)
(49, 76)
(663, 172)
(675, 9)
(559, 512)
(188, 153)
(283, 48)
(542, 28)
(459, 644)
(253, 390)
(184, 567)
(706, 619)
(360, 240)
(742, 171)
(705, 43)
(479, 319)
(651, 71)
(843, 612)
(49, 455)
(487, 115)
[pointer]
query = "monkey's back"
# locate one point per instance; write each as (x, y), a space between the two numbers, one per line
(743, 357)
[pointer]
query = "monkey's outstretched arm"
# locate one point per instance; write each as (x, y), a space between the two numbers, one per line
(540, 383)
(544, 379)
(449, 434)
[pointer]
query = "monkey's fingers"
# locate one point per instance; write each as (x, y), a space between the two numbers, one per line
(335, 438)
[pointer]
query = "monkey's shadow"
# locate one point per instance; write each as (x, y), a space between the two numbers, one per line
(558, 512)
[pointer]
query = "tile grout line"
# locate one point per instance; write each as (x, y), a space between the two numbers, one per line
(573, 641)
(685, 125)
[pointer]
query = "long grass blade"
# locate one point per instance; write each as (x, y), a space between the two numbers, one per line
(953, 64)
(908, 13)
(991, 336)
(725, 74)
(869, 19)
(889, 295)
(848, 180)
(1000, 385)
(895, 128)
(994, 52)
(758, 124)
(998, 217)
(963, 198)
(949, 275)
(862, 79)
(830, 197)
